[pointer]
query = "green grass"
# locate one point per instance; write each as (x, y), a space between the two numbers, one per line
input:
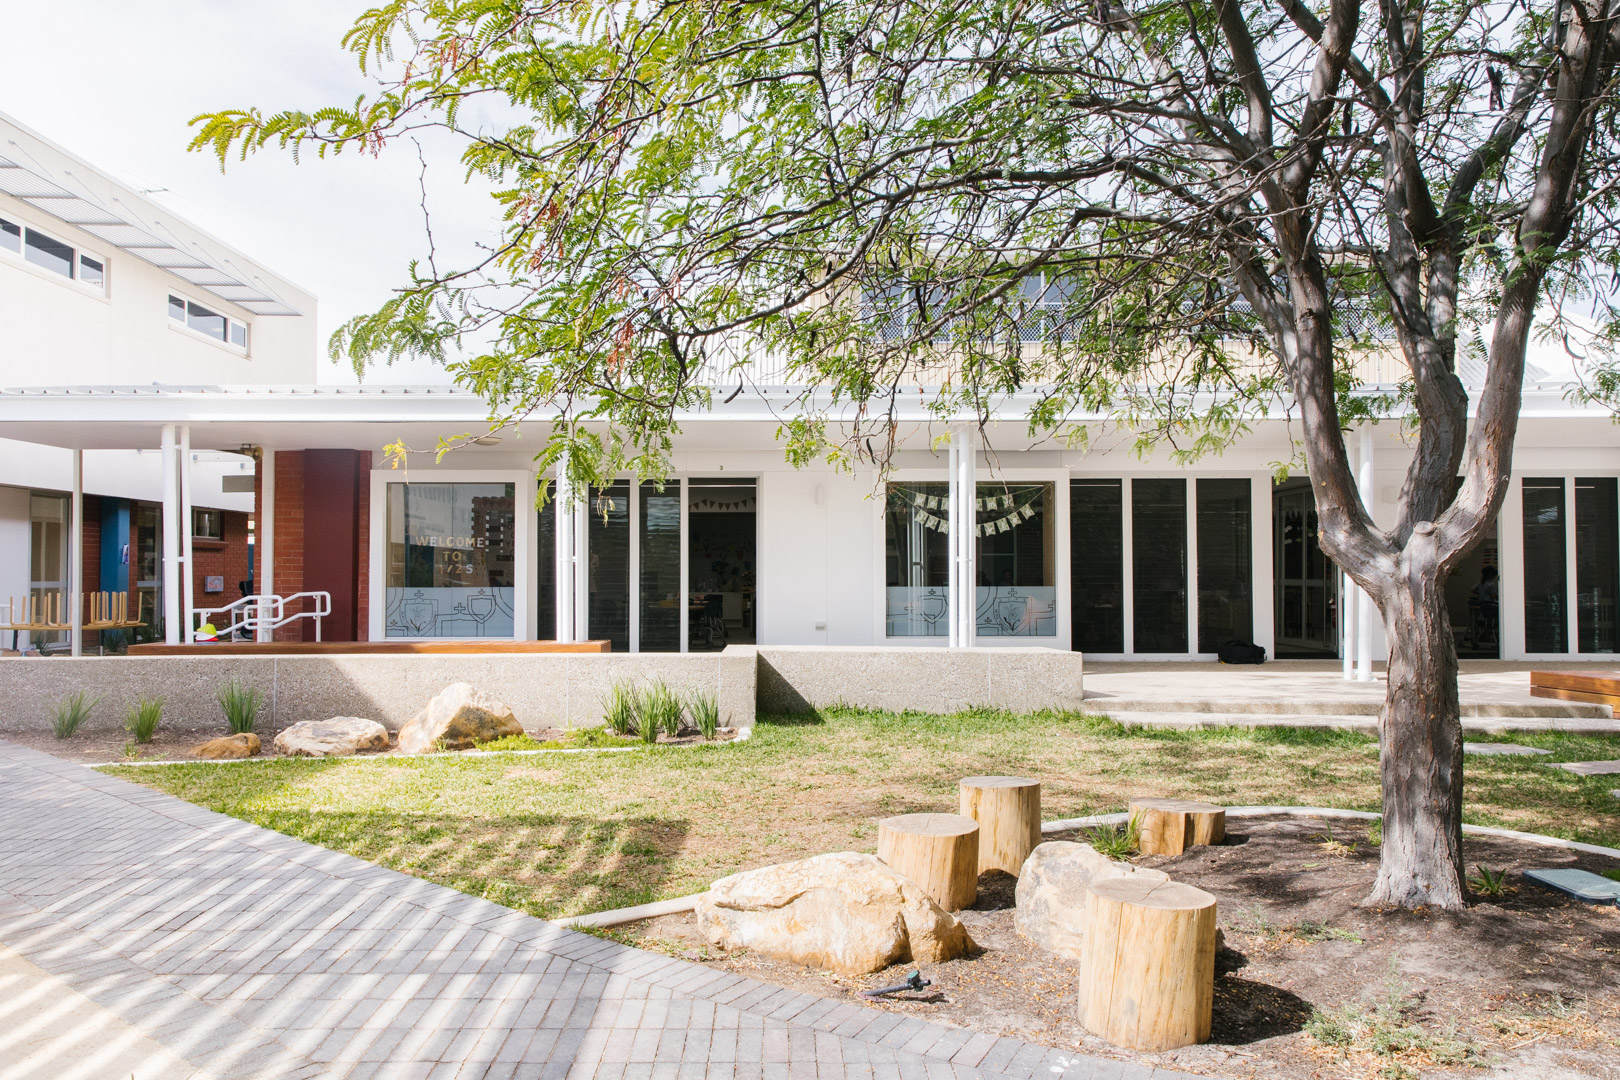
(569, 833)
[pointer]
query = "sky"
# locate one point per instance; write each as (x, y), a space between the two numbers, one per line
(115, 82)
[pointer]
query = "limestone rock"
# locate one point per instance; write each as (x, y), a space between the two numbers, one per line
(337, 737)
(227, 747)
(1052, 889)
(455, 719)
(843, 912)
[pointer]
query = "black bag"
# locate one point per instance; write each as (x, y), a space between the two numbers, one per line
(1242, 652)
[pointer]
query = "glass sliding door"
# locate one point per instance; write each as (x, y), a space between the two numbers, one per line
(607, 537)
(916, 560)
(1225, 564)
(660, 569)
(450, 568)
(48, 554)
(721, 550)
(1597, 562)
(1097, 565)
(1159, 564)
(1015, 556)
(1307, 583)
(545, 570)
(1546, 618)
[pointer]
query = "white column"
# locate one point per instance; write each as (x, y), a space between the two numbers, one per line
(963, 498)
(634, 516)
(686, 572)
(953, 529)
(75, 549)
(1364, 604)
(562, 503)
(171, 539)
(188, 583)
(1349, 602)
(264, 540)
(582, 565)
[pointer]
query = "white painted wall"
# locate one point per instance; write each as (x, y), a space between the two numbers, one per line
(129, 474)
(14, 541)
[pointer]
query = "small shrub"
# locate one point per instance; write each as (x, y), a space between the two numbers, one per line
(1115, 842)
(661, 710)
(622, 706)
(1488, 882)
(141, 719)
(71, 712)
(1315, 930)
(511, 742)
(1375, 834)
(1612, 875)
(241, 705)
(591, 738)
(704, 708)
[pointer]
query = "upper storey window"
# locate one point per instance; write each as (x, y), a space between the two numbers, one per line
(49, 253)
(208, 322)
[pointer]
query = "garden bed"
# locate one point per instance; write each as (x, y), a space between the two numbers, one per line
(1308, 984)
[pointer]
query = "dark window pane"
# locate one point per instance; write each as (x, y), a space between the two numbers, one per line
(1014, 557)
(661, 567)
(916, 560)
(1545, 617)
(91, 272)
(1225, 558)
(51, 254)
(721, 515)
(1597, 562)
(1097, 565)
(1159, 565)
(10, 235)
(207, 322)
(545, 575)
(608, 539)
(177, 308)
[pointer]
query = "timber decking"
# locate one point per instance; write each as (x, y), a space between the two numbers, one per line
(369, 648)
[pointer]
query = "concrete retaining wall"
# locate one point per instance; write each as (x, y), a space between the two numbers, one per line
(544, 690)
(800, 678)
(550, 689)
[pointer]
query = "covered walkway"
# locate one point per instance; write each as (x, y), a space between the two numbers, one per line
(144, 936)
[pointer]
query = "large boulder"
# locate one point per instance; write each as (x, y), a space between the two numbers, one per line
(456, 718)
(337, 737)
(1052, 888)
(842, 912)
(228, 747)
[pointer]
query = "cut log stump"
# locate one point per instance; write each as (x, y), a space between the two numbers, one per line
(1147, 963)
(1008, 810)
(940, 852)
(1171, 826)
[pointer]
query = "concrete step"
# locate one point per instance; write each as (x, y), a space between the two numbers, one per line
(1196, 720)
(1545, 710)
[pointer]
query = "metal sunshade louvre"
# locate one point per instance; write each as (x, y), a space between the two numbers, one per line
(22, 183)
(73, 210)
(170, 258)
(205, 276)
(125, 236)
(239, 293)
(267, 307)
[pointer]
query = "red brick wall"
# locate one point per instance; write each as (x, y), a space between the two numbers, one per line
(289, 533)
(90, 561)
(227, 558)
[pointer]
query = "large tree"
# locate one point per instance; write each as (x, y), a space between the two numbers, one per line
(1184, 214)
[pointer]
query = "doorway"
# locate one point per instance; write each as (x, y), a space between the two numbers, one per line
(1307, 582)
(721, 562)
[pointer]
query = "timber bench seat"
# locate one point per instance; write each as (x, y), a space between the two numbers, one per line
(1595, 687)
(351, 648)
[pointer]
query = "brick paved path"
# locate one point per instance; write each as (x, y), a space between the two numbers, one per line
(233, 951)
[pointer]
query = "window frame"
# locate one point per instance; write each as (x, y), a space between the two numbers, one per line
(25, 230)
(199, 514)
(183, 322)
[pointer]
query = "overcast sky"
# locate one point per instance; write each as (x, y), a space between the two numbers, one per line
(114, 81)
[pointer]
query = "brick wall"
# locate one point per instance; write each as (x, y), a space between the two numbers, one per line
(226, 558)
(289, 533)
(90, 562)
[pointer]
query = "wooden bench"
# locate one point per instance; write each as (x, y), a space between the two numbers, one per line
(467, 647)
(1593, 687)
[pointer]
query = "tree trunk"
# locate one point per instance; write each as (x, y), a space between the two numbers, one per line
(1420, 754)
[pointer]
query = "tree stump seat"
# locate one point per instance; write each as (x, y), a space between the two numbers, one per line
(1171, 826)
(940, 852)
(1008, 810)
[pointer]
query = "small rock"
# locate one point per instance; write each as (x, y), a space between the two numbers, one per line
(337, 737)
(1053, 884)
(456, 718)
(227, 747)
(843, 912)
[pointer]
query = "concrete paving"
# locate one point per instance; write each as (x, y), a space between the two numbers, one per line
(146, 936)
(1495, 697)
(1588, 768)
(1502, 748)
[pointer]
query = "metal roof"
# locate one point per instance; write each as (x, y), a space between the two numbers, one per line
(33, 184)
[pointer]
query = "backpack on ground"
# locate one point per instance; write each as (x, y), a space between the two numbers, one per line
(1242, 652)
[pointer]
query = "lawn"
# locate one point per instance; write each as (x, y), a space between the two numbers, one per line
(562, 834)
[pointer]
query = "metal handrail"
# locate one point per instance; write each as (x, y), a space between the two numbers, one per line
(264, 611)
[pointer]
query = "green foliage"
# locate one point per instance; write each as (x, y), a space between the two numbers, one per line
(1612, 875)
(1315, 930)
(1388, 1030)
(704, 708)
(1488, 882)
(661, 710)
(71, 712)
(511, 742)
(141, 718)
(620, 709)
(241, 705)
(1115, 841)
